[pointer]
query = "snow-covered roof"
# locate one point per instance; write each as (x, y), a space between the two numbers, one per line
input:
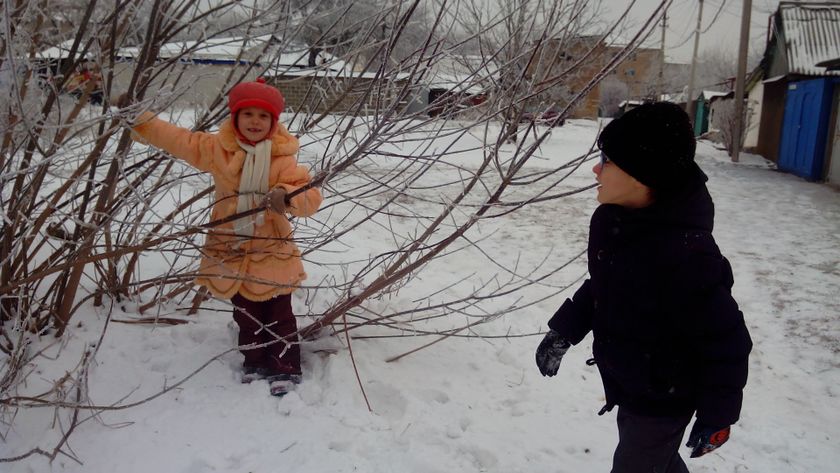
(346, 72)
(292, 57)
(723, 96)
(678, 97)
(212, 49)
(634, 103)
(242, 49)
(56, 52)
(617, 40)
(711, 94)
(770, 80)
(462, 73)
(812, 35)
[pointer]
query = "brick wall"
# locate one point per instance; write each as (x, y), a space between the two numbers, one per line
(639, 71)
(336, 94)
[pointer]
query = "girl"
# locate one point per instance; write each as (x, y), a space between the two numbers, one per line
(252, 261)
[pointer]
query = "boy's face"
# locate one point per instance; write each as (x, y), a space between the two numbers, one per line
(254, 123)
(618, 187)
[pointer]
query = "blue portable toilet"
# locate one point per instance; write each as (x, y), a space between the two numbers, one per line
(805, 127)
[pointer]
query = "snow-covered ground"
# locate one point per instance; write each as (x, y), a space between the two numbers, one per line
(473, 404)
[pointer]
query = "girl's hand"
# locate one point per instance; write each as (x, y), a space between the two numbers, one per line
(276, 200)
(120, 108)
(121, 101)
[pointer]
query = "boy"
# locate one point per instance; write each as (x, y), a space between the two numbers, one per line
(668, 338)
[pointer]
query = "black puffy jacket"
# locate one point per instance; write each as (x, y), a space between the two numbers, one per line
(669, 338)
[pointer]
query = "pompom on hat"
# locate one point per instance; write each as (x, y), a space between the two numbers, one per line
(655, 144)
(256, 94)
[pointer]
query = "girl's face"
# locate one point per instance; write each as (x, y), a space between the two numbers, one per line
(254, 123)
(618, 187)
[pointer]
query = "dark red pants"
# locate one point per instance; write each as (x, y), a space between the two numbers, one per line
(270, 326)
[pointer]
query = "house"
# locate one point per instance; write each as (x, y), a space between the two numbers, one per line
(81, 71)
(458, 82)
(638, 71)
(703, 110)
(797, 96)
(194, 73)
(754, 88)
(833, 165)
(310, 80)
(627, 105)
(562, 55)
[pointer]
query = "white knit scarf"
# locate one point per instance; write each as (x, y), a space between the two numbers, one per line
(253, 186)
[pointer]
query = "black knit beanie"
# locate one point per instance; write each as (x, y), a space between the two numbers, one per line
(654, 143)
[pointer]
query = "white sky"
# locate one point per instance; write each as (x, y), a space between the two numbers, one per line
(723, 33)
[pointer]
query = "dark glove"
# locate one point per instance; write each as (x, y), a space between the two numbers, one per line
(704, 438)
(550, 352)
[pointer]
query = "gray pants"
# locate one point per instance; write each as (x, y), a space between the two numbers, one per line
(649, 444)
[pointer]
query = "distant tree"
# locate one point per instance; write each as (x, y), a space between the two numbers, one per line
(613, 92)
(726, 121)
(715, 67)
(524, 40)
(334, 26)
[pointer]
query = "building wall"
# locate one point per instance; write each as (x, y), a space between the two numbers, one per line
(640, 71)
(199, 85)
(772, 114)
(559, 56)
(187, 85)
(717, 118)
(755, 101)
(778, 63)
(338, 94)
(833, 148)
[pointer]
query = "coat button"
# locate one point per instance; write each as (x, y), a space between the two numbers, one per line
(614, 230)
(602, 255)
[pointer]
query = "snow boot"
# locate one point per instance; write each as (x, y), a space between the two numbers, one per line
(252, 373)
(280, 384)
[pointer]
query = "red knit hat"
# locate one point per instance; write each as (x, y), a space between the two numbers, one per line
(256, 94)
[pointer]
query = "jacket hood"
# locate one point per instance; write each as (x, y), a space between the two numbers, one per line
(690, 207)
(283, 143)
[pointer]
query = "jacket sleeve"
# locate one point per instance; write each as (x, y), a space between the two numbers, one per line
(573, 320)
(720, 338)
(307, 202)
(193, 147)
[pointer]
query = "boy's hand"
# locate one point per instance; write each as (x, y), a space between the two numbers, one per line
(276, 200)
(550, 352)
(704, 438)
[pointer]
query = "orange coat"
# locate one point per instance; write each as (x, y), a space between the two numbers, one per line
(269, 263)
